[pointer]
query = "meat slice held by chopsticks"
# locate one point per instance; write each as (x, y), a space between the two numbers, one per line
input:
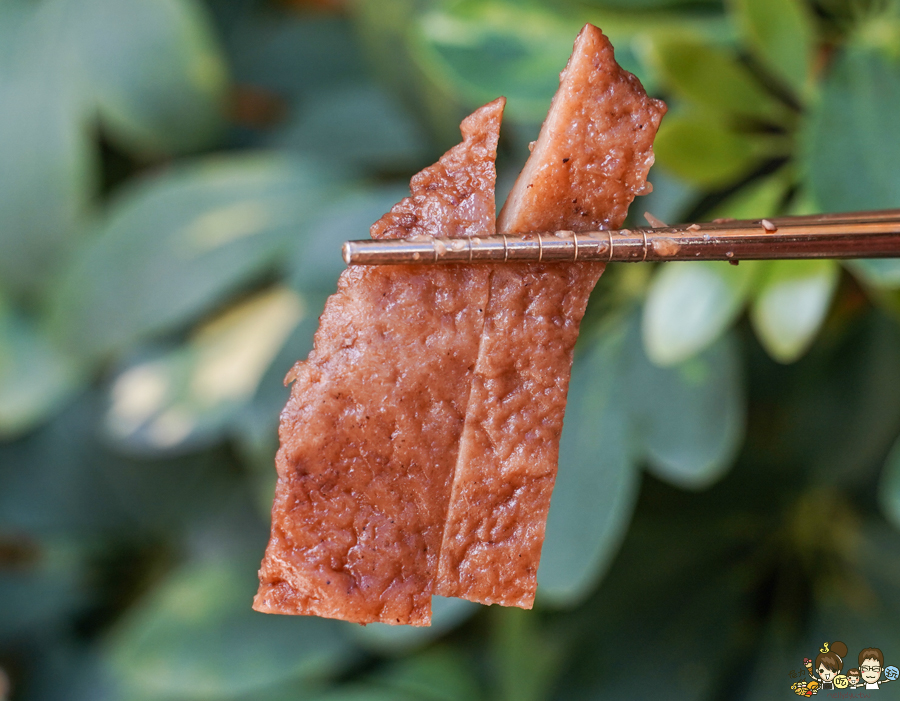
(590, 160)
(419, 446)
(370, 435)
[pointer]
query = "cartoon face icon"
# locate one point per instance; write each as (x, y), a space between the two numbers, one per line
(828, 674)
(840, 682)
(891, 673)
(870, 670)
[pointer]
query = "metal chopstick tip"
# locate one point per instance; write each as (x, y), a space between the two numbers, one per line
(347, 252)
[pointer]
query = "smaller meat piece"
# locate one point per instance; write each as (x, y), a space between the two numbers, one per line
(590, 160)
(370, 434)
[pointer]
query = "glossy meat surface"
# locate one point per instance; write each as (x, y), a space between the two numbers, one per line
(590, 160)
(370, 435)
(594, 150)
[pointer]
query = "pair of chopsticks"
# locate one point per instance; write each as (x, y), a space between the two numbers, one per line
(848, 235)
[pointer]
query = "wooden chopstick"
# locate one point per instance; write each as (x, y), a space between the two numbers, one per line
(874, 234)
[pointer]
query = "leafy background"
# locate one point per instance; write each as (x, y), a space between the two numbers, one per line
(175, 178)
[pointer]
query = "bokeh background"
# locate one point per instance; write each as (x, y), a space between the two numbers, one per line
(176, 177)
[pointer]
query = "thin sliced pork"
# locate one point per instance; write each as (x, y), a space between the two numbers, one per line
(590, 160)
(370, 435)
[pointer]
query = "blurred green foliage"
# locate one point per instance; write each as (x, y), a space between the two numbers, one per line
(175, 180)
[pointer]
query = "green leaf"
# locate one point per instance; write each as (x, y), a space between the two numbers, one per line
(681, 606)
(62, 667)
(41, 584)
(761, 198)
(358, 126)
(47, 170)
(189, 396)
(877, 27)
(803, 203)
(158, 78)
(704, 151)
(446, 614)
(175, 245)
(852, 150)
(649, 4)
(195, 637)
(447, 58)
(61, 478)
(840, 414)
(481, 50)
(791, 305)
(710, 77)
(436, 674)
(689, 636)
(366, 692)
(879, 558)
(782, 36)
(691, 304)
(690, 418)
(525, 659)
(294, 690)
(889, 489)
(878, 273)
(886, 299)
(35, 378)
(297, 56)
(597, 483)
(383, 26)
